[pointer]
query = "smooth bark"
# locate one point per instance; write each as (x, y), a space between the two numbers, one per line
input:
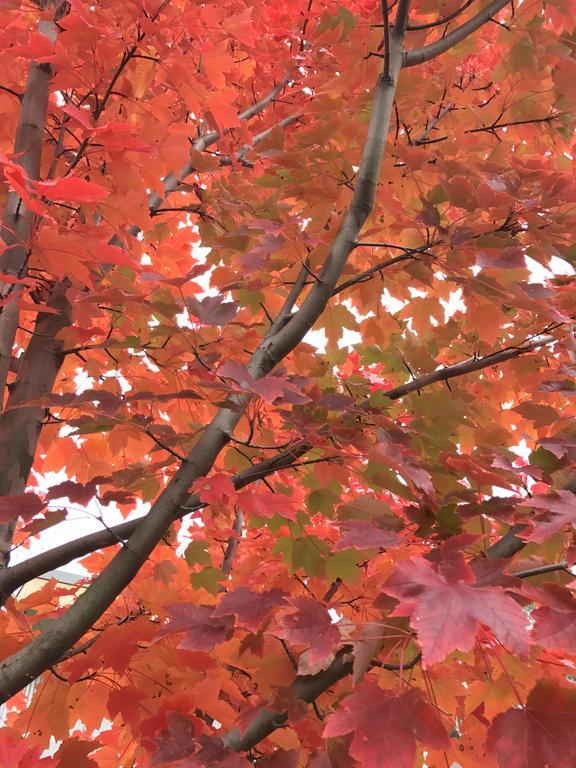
(24, 666)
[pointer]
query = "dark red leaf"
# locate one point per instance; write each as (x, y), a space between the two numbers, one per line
(251, 608)
(363, 534)
(50, 518)
(309, 624)
(77, 493)
(555, 619)
(269, 388)
(540, 735)
(447, 615)
(212, 310)
(386, 726)
(202, 629)
(281, 758)
(557, 510)
(24, 505)
(179, 740)
(213, 754)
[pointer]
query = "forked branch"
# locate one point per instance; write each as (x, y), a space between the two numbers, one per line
(468, 366)
(428, 52)
(17, 575)
(24, 666)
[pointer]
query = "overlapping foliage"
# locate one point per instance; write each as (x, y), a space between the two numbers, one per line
(359, 539)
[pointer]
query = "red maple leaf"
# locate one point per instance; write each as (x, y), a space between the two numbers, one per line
(266, 504)
(216, 489)
(70, 188)
(446, 614)
(24, 505)
(269, 388)
(541, 734)
(73, 751)
(386, 726)
(179, 740)
(555, 620)
(77, 493)
(310, 624)
(281, 758)
(557, 510)
(15, 752)
(251, 608)
(363, 534)
(212, 310)
(125, 702)
(120, 137)
(398, 458)
(202, 629)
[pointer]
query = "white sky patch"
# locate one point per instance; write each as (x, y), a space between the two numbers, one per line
(454, 304)
(82, 381)
(540, 274)
(390, 303)
(335, 617)
(350, 337)
(317, 339)
(80, 522)
(125, 386)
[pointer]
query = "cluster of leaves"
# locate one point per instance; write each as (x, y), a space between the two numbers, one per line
(374, 564)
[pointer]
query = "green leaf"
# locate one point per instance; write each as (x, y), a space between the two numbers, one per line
(344, 565)
(322, 501)
(208, 579)
(196, 553)
(308, 553)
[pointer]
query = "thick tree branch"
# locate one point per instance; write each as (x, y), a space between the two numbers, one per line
(401, 20)
(368, 274)
(24, 666)
(19, 574)
(18, 222)
(172, 181)
(508, 545)
(542, 570)
(286, 311)
(307, 688)
(428, 52)
(468, 366)
(442, 21)
(233, 542)
(20, 426)
(16, 575)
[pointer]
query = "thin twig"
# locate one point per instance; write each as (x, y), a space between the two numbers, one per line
(497, 126)
(542, 570)
(233, 542)
(428, 52)
(439, 22)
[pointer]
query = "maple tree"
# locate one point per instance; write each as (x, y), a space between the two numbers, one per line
(346, 547)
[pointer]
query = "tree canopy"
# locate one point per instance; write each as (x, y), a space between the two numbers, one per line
(290, 286)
